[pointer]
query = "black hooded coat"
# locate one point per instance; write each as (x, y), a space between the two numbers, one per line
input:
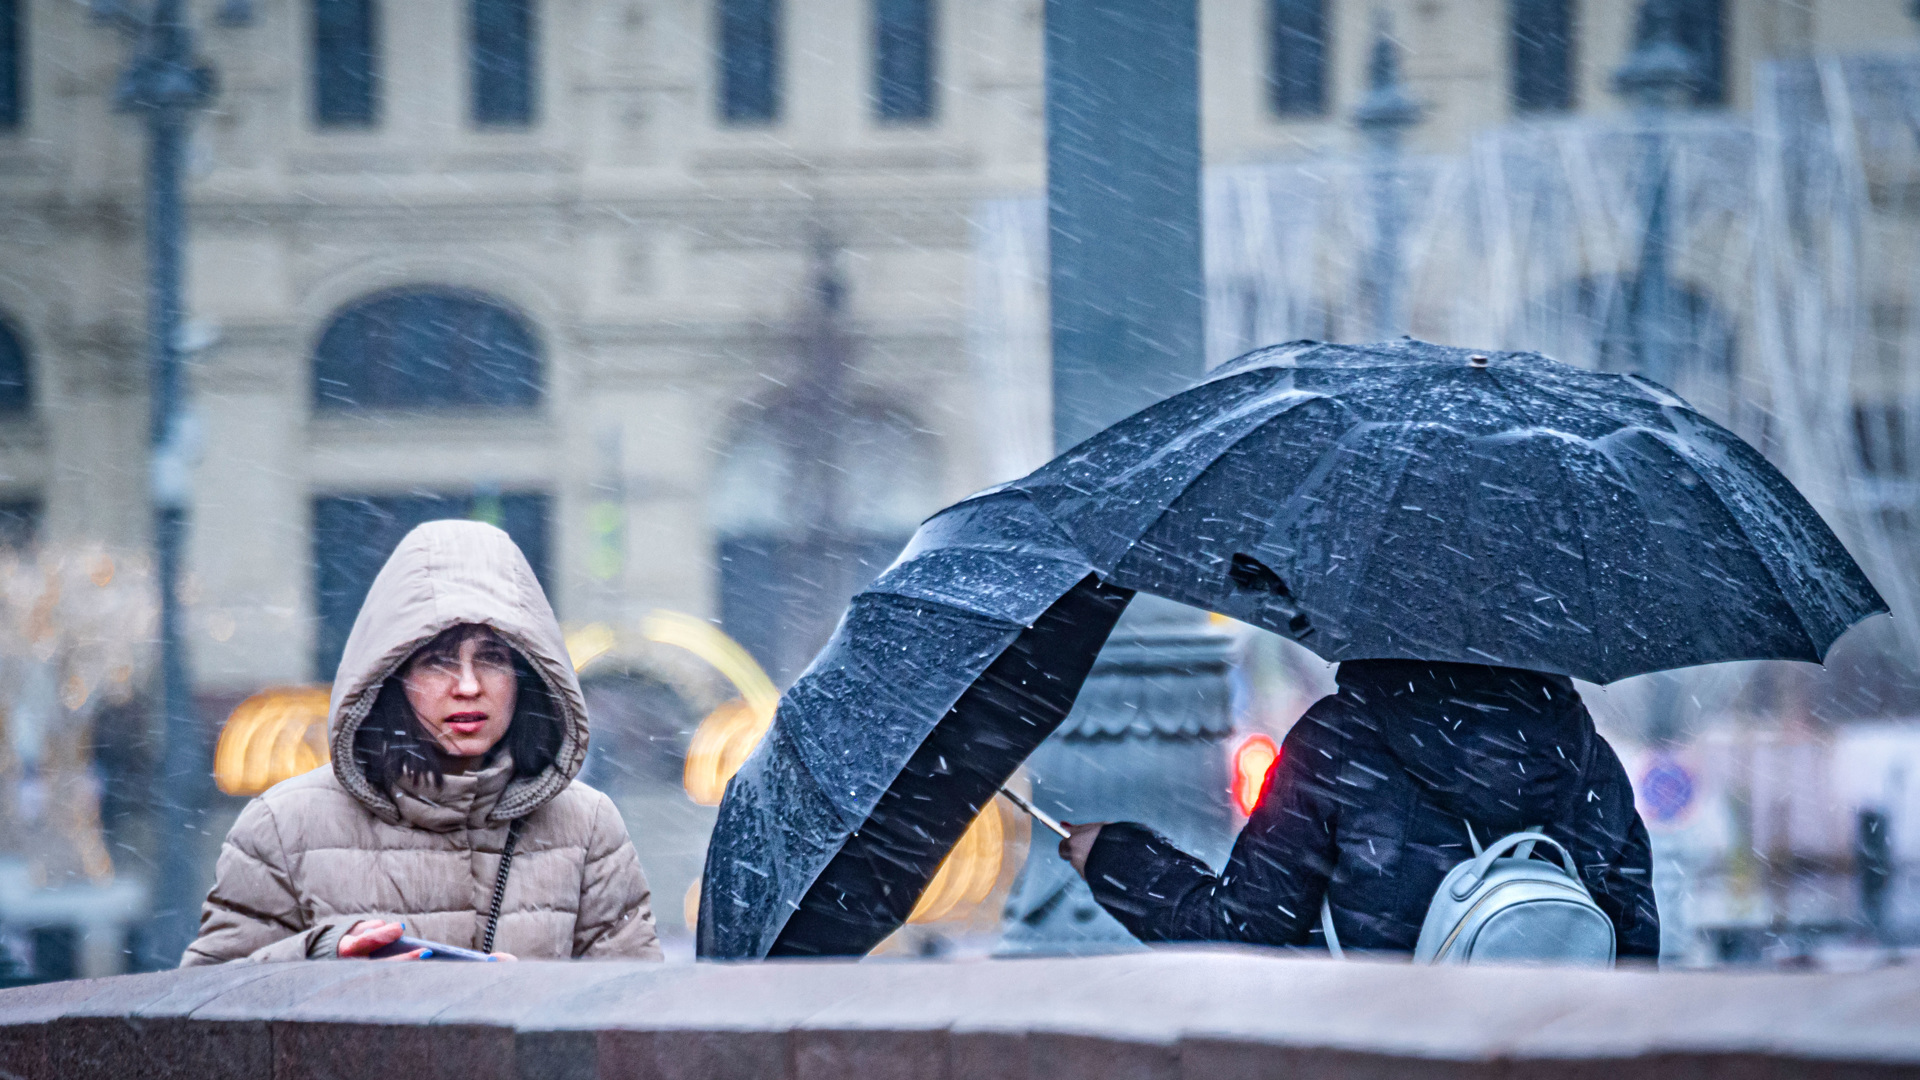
(1369, 806)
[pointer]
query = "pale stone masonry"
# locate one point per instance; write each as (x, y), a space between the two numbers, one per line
(660, 256)
(1170, 1015)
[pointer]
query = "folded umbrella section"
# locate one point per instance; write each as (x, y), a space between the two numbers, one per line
(1403, 500)
(940, 680)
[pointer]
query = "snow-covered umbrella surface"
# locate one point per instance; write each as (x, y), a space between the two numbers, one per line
(1401, 500)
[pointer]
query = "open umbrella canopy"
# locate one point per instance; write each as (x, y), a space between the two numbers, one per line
(1402, 500)
(1413, 501)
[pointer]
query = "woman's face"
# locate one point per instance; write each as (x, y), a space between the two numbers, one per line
(463, 691)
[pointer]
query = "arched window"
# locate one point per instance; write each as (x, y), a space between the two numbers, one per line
(425, 349)
(16, 386)
(808, 511)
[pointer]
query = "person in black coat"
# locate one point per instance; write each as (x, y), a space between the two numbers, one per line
(1369, 806)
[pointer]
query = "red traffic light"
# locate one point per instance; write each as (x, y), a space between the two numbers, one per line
(1252, 760)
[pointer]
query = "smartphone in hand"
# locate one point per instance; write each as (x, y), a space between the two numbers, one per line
(434, 951)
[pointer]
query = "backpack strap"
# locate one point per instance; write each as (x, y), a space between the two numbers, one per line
(1484, 861)
(1525, 851)
(1326, 927)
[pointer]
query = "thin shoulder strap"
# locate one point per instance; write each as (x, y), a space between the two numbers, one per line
(1524, 851)
(500, 884)
(1326, 927)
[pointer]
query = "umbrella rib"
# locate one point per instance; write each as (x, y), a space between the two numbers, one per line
(1579, 511)
(1324, 467)
(1299, 398)
(1706, 477)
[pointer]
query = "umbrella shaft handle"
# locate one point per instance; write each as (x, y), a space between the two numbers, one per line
(1036, 813)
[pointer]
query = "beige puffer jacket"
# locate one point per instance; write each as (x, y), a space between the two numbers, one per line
(319, 852)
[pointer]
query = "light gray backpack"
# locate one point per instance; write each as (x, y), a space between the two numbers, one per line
(1501, 909)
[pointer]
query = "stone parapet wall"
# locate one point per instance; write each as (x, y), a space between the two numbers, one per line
(1217, 1014)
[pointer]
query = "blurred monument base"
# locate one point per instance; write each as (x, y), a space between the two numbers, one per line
(76, 931)
(1145, 742)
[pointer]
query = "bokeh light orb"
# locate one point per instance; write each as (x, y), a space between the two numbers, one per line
(719, 747)
(274, 735)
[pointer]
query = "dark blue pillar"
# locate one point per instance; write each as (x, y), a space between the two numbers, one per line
(1123, 207)
(1129, 323)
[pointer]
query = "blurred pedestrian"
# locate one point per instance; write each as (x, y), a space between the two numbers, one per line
(1873, 861)
(457, 728)
(1370, 805)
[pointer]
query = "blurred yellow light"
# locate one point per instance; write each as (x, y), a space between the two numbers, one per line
(589, 643)
(690, 906)
(970, 869)
(729, 733)
(728, 657)
(719, 747)
(276, 734)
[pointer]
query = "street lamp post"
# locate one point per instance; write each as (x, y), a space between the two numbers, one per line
(165, 83)
(1659, 78)
(1382, 116)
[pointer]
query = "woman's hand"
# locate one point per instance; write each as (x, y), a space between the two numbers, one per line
(1076, 847)
(368, 936)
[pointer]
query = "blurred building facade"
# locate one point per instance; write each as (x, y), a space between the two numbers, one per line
(679, 292)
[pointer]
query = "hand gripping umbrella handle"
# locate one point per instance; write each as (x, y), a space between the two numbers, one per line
(1038, 814)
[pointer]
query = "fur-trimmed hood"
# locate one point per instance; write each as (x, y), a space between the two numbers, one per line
(445, 573)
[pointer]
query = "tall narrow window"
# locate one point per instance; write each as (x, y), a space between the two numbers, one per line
(354, 534)
(501, 54)
(749, 61)
(1297, 57)
(19, 523)
(16, 386)
(903, 45)
(1542, 55)
(1701, 25)
(13, 64)
(345, 56)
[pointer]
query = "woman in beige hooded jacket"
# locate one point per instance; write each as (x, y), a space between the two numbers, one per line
(321, 853)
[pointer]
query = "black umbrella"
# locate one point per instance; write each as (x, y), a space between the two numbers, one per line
(1386, 501)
